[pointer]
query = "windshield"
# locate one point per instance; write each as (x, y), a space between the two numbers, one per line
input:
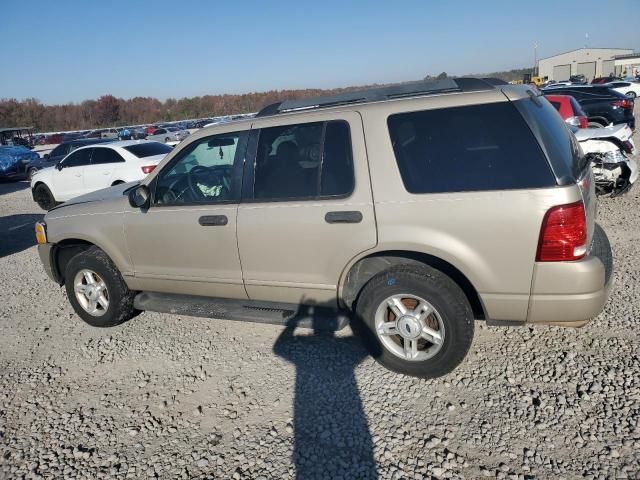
(150, 149)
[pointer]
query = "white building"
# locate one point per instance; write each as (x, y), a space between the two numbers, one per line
(590, 62)
(627, 65)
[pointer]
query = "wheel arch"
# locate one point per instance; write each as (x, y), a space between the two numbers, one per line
(66, 249)
(365, 268)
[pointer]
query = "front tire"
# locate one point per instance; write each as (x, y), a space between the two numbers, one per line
(631, 94)
(44, 197)
(97, 291)
(415, 320)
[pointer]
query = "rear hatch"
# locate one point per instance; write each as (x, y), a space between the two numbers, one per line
(562, 150)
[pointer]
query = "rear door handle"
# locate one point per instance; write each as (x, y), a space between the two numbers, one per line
(213, 220)
(343, 217)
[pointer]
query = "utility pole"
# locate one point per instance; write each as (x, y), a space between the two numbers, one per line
(535, 59)
(586, 40)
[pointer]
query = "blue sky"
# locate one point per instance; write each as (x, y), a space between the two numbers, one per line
(61, 51)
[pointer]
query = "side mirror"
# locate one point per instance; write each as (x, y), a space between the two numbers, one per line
(140, 197)
(46, 155)
(59, 166)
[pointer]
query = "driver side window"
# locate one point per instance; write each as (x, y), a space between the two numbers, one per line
(209, 170)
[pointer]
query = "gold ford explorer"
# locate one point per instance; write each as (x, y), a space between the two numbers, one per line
(410, 211)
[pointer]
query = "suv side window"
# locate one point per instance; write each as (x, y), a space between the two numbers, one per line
(79, 158)
(105, 155)
(304, 161)
(60, 150)
(207, 171)
(496, 151)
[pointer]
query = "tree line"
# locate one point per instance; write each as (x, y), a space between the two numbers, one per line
(110, 111)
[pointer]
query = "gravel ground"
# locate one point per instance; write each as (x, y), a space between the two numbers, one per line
(170, 397)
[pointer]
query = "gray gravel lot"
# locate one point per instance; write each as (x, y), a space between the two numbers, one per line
(178, 397)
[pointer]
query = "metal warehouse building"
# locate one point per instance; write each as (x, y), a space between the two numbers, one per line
(590, 62)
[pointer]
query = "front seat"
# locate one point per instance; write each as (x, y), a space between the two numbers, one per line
(285, 177)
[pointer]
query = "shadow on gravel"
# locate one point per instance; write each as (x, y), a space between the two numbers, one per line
(16, 233)
(10, 187)
(331, 431)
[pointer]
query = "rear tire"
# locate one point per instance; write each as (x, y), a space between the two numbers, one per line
(44, 197)
(595, 124)
(434, 315)
(631, 94)
(97, 291)
(167, 140)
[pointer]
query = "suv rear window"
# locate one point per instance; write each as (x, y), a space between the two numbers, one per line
(149, 149)
(561, 147)
(478, 147)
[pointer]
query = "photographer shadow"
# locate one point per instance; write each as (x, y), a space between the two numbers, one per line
(331, 431)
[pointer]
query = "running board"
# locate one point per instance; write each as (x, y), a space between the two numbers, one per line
(305, 316)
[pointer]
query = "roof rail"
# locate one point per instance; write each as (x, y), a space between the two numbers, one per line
(403, 90)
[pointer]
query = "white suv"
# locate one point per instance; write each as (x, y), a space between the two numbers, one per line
(95, 167)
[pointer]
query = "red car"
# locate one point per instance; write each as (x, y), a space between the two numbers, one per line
(602, 80)
(569, 109)
(150, 130)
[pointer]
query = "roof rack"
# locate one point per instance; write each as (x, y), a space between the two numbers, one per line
(404, 90)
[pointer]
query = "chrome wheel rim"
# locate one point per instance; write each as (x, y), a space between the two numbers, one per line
(91, 292)
(409, 327)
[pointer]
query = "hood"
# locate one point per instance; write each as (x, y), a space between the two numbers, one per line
(116, 191)
(621, 132)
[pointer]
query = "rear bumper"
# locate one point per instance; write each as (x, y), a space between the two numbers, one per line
(571, 293)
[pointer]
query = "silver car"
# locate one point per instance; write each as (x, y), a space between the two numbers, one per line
(169, 134)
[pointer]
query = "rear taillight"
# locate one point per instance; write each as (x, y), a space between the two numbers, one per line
(563, 236)
(579, 121)
(626, 104)
(148, 169)
(584, 121)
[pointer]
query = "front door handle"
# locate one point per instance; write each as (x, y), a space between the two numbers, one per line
(343, 217)
(213, 220)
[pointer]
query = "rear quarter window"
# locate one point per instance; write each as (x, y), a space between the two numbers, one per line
(471, 148)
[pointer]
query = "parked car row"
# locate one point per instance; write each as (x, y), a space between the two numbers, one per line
(606, 148)
(602, 104)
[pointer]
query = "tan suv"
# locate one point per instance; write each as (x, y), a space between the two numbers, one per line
(417, 209)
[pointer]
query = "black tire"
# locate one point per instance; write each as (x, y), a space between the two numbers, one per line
(442, 293)
(166, 140)
(595, 124)
(120, 307)
(44, 197)
(631, 94)
(117, 182)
